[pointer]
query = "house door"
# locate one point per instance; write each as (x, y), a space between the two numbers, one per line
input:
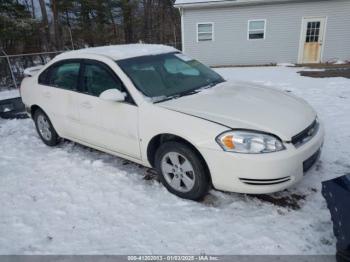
(312, 40)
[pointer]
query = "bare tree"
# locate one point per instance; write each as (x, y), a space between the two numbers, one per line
(56, 27)
(45, 23)
(127, 10)
(111, 16)
(33, 9)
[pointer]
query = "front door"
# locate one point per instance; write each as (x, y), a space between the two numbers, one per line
(312, 40)
(106, 124)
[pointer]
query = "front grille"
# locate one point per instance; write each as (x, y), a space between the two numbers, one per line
(305, 135)
(308, 163)
(264, 182)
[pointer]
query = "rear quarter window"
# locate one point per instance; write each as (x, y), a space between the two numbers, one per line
(42, 80)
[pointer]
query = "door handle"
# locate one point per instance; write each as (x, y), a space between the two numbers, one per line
(86, 105)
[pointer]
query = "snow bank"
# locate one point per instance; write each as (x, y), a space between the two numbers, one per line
(7, 94)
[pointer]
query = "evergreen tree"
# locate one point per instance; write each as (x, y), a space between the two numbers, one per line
(64, 24)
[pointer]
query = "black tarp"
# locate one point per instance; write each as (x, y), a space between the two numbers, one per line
(12, 108)
(337, 194)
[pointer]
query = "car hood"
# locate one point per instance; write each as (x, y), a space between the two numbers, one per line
(248, 106)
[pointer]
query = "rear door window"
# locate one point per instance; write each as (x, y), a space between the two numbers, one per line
(65, 75)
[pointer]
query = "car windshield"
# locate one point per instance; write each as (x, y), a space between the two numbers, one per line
(168, 75)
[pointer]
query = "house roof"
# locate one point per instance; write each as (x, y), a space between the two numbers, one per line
(119, 52)
(198, 3)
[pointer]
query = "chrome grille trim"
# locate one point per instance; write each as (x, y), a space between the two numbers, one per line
(306, 135)
(265, 182)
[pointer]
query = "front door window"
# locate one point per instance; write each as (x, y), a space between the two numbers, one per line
(97, 80)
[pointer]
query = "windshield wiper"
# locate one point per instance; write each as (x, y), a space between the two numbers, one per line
(191, 92)
(214, 83)
(186, 93)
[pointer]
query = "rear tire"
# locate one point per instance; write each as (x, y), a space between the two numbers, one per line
(182, 171)
(45, 128)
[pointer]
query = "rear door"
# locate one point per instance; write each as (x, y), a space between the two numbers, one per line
(56, 86)
(106, 124)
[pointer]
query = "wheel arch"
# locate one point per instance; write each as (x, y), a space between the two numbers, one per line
(159, 139)
(33, 109)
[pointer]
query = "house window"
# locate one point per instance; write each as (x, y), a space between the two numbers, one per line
(205, 32)
(313, 32)
(256, 29)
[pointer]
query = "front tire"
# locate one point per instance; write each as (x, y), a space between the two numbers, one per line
(182, 171)
(45, 128)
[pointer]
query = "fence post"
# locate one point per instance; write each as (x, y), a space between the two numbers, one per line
(9, 63)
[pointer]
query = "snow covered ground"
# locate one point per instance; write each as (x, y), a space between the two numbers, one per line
(74, 200)
(7, 94)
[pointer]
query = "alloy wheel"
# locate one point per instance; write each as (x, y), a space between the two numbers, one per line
(44, 127)
(178, 172)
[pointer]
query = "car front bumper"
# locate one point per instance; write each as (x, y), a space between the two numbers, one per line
(262, 173)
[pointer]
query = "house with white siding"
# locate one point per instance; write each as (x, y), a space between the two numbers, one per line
(252, 32)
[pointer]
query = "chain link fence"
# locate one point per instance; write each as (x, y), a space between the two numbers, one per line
(13, 66)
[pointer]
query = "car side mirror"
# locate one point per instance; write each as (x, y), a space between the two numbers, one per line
(113, 95)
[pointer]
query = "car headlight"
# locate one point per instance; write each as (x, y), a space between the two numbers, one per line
(249, 142)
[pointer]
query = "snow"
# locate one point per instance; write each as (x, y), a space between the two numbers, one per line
(74, 200)
(7, 94)
(340, 62)
(30, 71)
(119, 52)
(286, 64)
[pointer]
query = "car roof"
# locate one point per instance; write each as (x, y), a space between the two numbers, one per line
(120, 52)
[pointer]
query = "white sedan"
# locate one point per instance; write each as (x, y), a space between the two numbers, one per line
(157, 107)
